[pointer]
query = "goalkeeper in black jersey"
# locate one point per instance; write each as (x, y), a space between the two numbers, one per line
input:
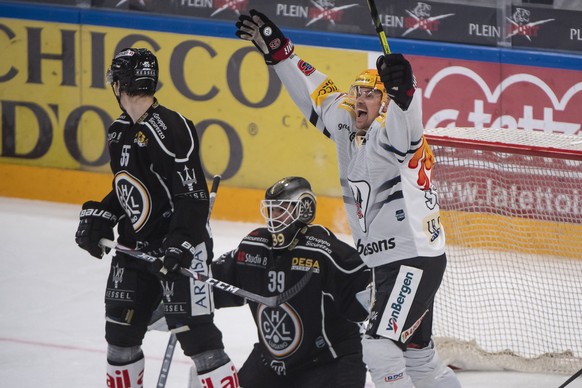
(311, 341)
(160, 204)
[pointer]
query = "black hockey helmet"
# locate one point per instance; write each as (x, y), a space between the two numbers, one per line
(136, 69)
(289, 202)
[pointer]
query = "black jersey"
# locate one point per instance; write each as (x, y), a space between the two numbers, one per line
(318, 324)
(159, 185)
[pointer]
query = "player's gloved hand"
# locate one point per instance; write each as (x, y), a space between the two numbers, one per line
(396, 74)
(95, 223)
(176, 258)
(265, 35)
(156, 266)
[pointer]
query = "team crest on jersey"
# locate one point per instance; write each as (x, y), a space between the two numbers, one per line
(140, 139)
(432, 227)
(361, 193)
(281, 329)
(134, 198)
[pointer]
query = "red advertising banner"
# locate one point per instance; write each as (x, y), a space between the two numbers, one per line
(481, 94)
(509, 184)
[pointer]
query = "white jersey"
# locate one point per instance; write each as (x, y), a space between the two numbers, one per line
(391, 206)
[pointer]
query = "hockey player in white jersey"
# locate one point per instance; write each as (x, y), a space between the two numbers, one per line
(385, 169)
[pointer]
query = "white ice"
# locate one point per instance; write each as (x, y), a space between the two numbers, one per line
(52, 313)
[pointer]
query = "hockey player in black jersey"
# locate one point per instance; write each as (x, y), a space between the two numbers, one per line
(160, 204)
(312, 341)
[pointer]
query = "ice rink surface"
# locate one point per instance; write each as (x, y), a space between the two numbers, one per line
(52, 314)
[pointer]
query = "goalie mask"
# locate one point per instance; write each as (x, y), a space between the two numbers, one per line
(288, 206)
(136, 69)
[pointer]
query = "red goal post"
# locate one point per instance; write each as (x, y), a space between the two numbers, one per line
(511, 207)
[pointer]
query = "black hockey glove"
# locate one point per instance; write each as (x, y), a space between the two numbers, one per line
(396, 74)
(177, 257)
(96, 223)
(265, 35)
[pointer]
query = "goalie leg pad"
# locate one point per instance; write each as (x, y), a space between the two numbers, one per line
(126, 375)
(223, 376)
(426, 369)
(385, 362)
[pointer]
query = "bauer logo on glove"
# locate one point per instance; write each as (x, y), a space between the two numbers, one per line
(95, 223)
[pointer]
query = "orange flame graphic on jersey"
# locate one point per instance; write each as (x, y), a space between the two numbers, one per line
(424, 158)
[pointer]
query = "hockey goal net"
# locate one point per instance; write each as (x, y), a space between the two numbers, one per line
(511, 205)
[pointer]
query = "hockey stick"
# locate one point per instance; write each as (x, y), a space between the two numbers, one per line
(213, 190)
(269, 301)
(169, 354)
(379, 27)
(165, 370)
(572, 378)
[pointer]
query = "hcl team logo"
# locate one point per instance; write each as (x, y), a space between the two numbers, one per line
(134, 198)
(281, 329)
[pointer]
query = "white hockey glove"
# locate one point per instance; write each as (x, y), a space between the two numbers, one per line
(265, 35)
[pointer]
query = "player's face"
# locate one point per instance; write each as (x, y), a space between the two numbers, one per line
(368, 104)
(282, 212)
(279, 214)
